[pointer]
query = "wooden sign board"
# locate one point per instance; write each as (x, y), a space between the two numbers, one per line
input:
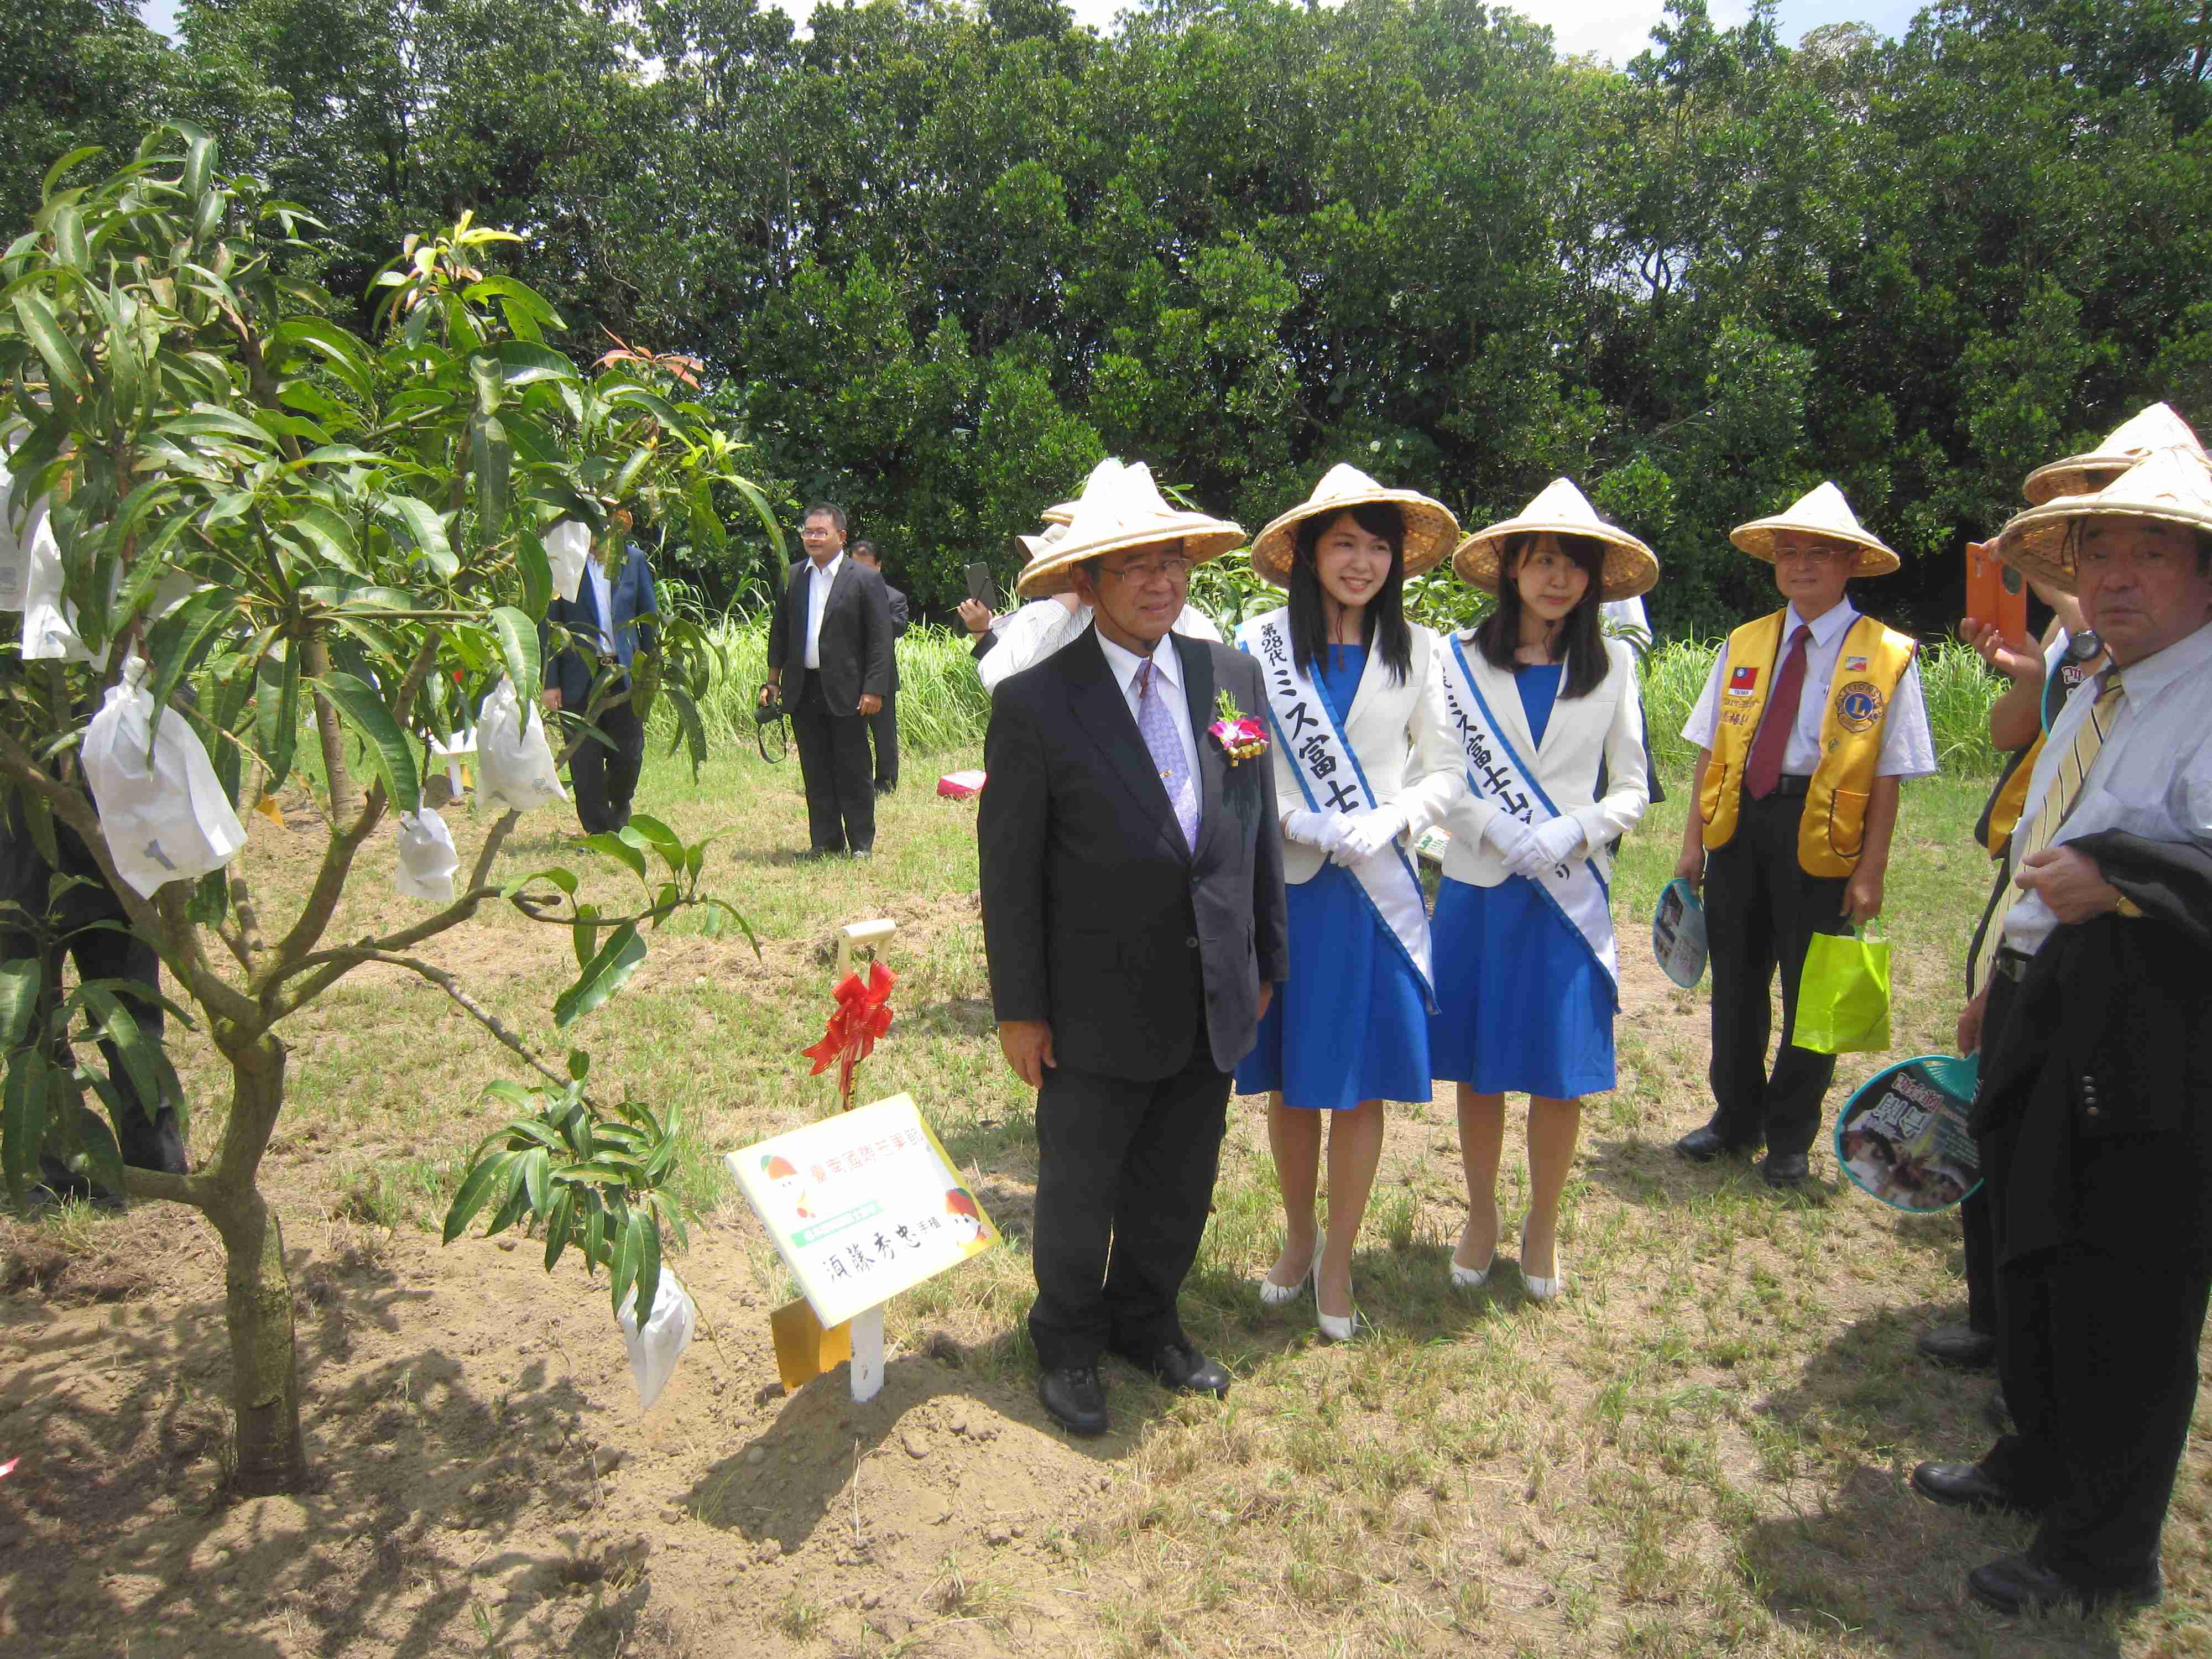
(862, 1206)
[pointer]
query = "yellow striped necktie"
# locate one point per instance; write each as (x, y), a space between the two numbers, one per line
(2065, 788)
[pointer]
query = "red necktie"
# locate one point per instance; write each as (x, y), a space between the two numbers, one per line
(1765, 770)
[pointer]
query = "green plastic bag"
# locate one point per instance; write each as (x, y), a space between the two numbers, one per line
(1843, 997)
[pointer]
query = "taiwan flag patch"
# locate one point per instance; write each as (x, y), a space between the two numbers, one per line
(1855, 664)
(1742, 681)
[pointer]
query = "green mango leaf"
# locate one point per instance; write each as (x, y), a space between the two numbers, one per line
(579, 1063)
(557, 1226)
(525, 362)
(537, 1165)
(73, 159)
(477, 1188)
(423, 529)
(70, 249)
(494, 461)
(595, 1234)
(276, 711)
(629, 1242)
(394, 756)
(536, 572)
(20, 984)
(179, 642)
(44, 331)
(115, 1024)
(648, 1262)
(603, 975)
(563, 879)
(23, 1119)
(626, 852)
(518, 645)
(103, 1159)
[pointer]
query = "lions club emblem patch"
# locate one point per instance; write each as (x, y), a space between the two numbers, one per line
(1858, 706)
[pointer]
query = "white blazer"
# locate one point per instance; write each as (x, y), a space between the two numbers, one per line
(1607, 725)
(1405, 746)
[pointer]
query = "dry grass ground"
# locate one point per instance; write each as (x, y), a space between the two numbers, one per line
(1701, 1450)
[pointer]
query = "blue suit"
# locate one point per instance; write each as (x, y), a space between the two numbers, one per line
(604, 769)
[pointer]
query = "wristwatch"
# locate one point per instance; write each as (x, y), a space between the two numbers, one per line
(2127, 907)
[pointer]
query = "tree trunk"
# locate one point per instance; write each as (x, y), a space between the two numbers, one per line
(265, 1372)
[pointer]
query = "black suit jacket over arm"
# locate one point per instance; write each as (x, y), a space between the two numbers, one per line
(1096, 916)
(2099, 1086)
(856, 641)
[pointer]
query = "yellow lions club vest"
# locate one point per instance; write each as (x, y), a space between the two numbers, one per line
(1869, 666)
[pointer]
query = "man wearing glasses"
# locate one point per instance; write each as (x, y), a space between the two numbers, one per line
(1131, 883)
(1812, 718)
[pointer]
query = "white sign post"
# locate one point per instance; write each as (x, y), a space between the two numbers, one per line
(860, 1206)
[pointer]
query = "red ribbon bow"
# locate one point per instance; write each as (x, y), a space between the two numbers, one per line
(862, 1015)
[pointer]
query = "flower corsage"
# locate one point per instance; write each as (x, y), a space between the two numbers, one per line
(1241, 737)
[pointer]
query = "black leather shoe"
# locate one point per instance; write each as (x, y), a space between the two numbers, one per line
(1075, 1399)
(1704, 1145)
(1784, 1169)
(1959, 1345)
(2014, 1584)
(1178, 1365)
(1964, 1486)
(1995, 1413)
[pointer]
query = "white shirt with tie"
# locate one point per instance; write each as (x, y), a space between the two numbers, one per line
(1908, 748)
(819, 579)
(1167, 669)
(2152, 776)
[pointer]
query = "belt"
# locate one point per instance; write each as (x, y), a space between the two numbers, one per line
(2012, 964)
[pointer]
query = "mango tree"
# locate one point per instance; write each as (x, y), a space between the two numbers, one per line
(309, 537)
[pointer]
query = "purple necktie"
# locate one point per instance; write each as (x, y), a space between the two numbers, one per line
(1156, 727)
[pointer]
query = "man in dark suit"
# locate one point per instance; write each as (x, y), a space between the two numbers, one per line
(2094, 1115)
(832, 636)
(1134, 917)
(883, 725)
(607, 627)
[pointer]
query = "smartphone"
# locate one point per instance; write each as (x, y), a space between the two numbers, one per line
(981, 588)
(1995, 591)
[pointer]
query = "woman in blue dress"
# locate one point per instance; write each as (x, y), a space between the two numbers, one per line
(1527, 980)
(1362, 765)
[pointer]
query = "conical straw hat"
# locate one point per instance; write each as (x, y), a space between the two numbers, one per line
(2149, 429)
(1035, 546)
(1559, 509)
(1122, 508)
(2174, 486)
(1823, 513)
(1430, 527)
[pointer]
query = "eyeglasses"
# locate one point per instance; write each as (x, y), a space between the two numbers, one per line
(1174, 567)
(1813, 555)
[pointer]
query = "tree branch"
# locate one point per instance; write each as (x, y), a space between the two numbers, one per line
(468, 1005)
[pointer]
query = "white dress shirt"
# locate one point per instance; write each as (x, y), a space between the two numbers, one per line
(2152, 778)
(1167, 667)
(603, 596)
(818, 580)
(1908, 747)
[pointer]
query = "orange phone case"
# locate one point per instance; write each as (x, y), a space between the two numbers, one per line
(1996, 593)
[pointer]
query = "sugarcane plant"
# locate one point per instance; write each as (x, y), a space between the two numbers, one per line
(309, 535)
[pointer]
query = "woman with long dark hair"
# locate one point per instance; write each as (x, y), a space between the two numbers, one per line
(1362, 764)
(1544, 706)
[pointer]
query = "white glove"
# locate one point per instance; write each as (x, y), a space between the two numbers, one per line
(1322, 830)
(1550, 844)
(1507, 836)
(1366, 834)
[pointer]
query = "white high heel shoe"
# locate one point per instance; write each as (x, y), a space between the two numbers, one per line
(1545, 1290)
(1332, 1328)
(1272, 1295)
(1472, 1278)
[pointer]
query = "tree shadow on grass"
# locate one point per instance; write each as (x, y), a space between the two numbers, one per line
(1863, 1553)
(119, 1521)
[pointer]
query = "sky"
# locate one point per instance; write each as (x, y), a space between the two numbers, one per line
(1614, 29)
